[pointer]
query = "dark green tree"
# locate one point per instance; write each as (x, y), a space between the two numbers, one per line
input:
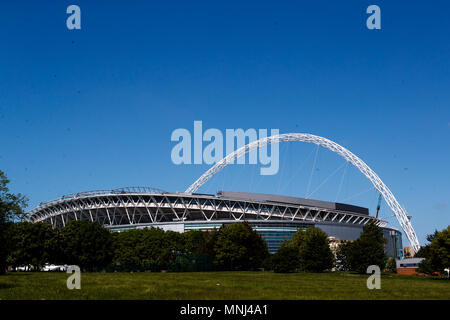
(129, 249)
(343, 256)
(172, 248)
(438, 256)
(286, 259)
(195, 243)
(367, 250)
(424, 250)
(314, 251)
(239, 247)
(33, 244)
(152, 247)
(143, 249)
(211, 237)
(87, 244)
(198, 251)
(426, 267)
(11, 209)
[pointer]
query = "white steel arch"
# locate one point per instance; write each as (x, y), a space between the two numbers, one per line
(394, 205)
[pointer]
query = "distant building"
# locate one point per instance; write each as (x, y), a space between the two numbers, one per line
(408, 252)
(334, 244)
(408, 265)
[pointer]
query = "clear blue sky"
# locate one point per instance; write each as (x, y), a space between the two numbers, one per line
(94, 108)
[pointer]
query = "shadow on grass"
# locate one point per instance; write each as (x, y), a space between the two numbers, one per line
(440, 279)
(6, 286)
(19, 274)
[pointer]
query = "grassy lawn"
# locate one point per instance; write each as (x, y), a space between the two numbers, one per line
(219, 285)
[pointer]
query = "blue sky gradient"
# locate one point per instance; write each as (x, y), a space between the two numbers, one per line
(94, 108)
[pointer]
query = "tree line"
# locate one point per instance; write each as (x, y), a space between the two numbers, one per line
(232, 247)
(94, 248)
(309, 250)
(436, 253)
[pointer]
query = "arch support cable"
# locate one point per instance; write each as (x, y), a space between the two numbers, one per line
(399, 212)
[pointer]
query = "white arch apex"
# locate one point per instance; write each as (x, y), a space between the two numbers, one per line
(399, 212)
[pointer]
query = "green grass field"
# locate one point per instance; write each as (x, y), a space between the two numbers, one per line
(219, 285)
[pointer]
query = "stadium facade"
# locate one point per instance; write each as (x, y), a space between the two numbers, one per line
(275, 217)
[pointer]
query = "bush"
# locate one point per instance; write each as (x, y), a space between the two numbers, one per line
(286, 259)
(87, 244)
(367, 250)
(267, 263)
(315, 254)
(391, 266)
(33, 244)
(141, 249)
(239, 247)
(11, 209)
(3, 245)
(154, 249)
(437, 256)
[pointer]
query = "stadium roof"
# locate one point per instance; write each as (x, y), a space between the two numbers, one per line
(272, 198)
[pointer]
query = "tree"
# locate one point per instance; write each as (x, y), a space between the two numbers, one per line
(425, 266)
(172, 248)
(343, 256)
(424, 250)
(438, 254)
(367, 250)
(33, 244)
(391, 266)
(315, 254)
(11, 205)
(195, 242)
(87, 244)
(198, 251)
(211, 237)
(149, 248)
(11, 208)
(239, 247)
(152, 246)
(286, 259)
(129, 248)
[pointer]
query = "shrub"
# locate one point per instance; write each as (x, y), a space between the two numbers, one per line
(367, 250)
(87, 244)
(391, 266)
(286, 259)
(239, 247)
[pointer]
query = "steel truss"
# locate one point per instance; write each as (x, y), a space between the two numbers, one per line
(113, 210)
(399, 212)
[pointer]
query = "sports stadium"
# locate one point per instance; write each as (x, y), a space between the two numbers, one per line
(275, 217)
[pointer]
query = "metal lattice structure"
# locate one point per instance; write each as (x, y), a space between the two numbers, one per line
(124, 190)
(117, 209)
(399, 212)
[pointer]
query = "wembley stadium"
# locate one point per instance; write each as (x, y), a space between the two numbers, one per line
(275, 217)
